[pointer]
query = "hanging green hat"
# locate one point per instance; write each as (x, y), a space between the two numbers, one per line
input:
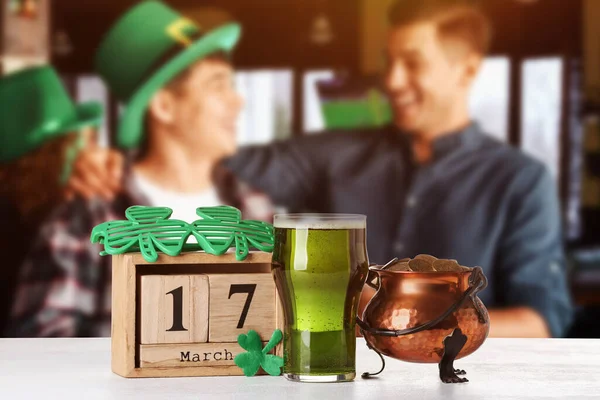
(36, 108)
(148, 47)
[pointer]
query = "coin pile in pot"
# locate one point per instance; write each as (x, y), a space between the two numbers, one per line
(427, 263)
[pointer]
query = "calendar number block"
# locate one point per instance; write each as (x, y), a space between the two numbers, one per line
(240, 302)
(174, 309)
(189, 355)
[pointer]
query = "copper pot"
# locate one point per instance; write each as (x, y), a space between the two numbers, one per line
(413, 313)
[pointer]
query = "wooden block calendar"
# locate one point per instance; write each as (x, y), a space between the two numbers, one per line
(181, 316)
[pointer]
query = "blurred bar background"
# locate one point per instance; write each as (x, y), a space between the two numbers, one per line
(539, 89)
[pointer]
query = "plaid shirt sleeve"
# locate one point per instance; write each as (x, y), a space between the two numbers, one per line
(60, 282)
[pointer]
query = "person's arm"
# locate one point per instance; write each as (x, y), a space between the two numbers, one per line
(530, 269)
(97, 172)
(289, 172)
(54, 296)
(520, 322)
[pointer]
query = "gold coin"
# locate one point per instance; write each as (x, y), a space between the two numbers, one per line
(446, 266)
(420, 265)
(426, 257)
(401, 266)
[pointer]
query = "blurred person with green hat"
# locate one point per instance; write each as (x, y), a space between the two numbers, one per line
(41, 134)
(175, 79)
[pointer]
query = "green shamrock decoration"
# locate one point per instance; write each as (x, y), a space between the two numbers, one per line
(256, 357)
(149, 230)
(221, 226)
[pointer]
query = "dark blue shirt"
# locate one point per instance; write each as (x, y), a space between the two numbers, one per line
(478, 201)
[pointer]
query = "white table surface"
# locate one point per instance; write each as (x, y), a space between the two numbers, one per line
(500, 369)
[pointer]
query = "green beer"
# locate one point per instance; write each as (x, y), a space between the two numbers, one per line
(320, 265)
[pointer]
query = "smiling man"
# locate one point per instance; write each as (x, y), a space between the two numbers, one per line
(432, 182)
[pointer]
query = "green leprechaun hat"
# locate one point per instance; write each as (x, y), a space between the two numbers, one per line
(147, 47)
(36, 108)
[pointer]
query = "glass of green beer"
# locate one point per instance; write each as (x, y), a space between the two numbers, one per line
(320, 264)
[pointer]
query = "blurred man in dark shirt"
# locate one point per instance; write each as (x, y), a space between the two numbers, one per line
(432, 182)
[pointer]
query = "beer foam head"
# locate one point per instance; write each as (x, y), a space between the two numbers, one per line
(320, 221)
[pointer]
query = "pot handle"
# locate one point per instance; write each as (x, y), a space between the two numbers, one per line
(372, 276)
(477, 282)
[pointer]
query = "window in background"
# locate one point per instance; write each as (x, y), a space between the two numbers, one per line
(489, 101)
(313, 116)
(268, 105)
(92, 88)
(541, 110)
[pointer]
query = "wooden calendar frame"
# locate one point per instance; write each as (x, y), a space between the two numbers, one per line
(127, 270)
